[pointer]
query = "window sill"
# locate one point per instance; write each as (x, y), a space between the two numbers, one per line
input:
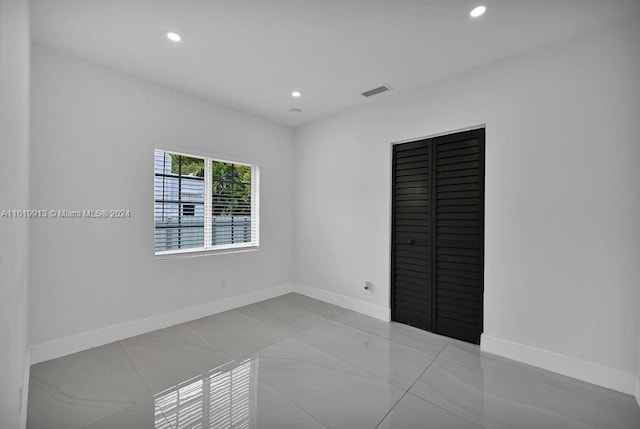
(195, 253)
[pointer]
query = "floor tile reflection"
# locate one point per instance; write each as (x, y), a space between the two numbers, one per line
(229, 397)
(294, 362)
(224, 397)
(169, 356)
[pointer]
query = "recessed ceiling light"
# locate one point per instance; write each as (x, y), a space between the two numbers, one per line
(296, 94)
(478, 11)
(174, 37)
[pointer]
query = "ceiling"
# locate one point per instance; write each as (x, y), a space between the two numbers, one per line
(251, 54)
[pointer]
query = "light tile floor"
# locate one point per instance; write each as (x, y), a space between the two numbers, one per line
(295, 362)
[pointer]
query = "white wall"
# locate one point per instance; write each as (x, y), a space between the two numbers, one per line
(562, 200)
(14, 154)
(93, 135)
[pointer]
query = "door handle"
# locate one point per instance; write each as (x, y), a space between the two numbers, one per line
(410, 241)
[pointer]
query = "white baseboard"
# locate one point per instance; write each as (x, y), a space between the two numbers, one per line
(364, 307)
(86, 340)
(582, 370)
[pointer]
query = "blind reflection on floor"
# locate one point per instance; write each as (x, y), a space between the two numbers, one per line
(225, 397)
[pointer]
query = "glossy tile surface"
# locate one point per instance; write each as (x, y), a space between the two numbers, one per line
(140, 416)
(222, 397)
(230, 396)
(313, 305)
(83, 388)
(294, 362)
(398, 364)
(415, 413)
(398, 333)
(275, 411)
(166, 357)
(498, 393)
(282, 315)
(236, 333)
(333, 392)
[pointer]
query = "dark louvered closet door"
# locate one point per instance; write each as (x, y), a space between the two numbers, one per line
(459, 243)
(411, 239)
(438, 234)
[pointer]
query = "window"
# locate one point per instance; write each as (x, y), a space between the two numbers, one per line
(202, 203)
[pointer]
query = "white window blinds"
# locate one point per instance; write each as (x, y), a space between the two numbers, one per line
(203, 203)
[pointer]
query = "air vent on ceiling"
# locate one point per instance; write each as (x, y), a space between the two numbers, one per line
(378, 90)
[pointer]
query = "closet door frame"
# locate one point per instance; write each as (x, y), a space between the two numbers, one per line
(480, 133)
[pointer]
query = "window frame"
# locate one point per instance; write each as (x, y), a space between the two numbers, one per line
(207, 248)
